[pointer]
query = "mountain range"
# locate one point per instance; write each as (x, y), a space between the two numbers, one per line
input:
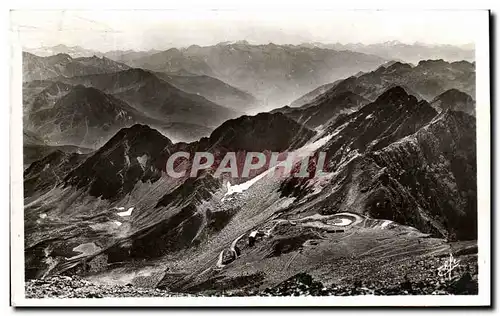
(396, 167)
(212, 89)
(155, 97)
(41, 68)
(426, 80)
(137, 96)
(411, 53)
(284, 72)
(455, 100)
(73, 51)
(395, 142)
(326, 107)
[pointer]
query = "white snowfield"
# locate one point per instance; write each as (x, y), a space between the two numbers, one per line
(126, 213)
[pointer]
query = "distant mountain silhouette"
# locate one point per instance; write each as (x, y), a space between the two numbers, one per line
(156, 98)
(412, 53)
(212, 89)
(275, 74)
(73, 51)
(40, 68)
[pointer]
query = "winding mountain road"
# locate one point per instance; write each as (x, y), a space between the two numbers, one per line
(326, 222)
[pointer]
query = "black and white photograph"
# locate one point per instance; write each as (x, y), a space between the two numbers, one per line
(250, 158)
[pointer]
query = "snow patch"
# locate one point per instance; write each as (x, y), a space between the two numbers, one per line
(43, 215)
(85, 249)
(240, 188)
(385, 224)
(117, 223)
(142, 161)
(126, 213)
(308, 149)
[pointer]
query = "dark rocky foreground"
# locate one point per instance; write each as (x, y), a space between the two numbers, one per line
(301, 284)
(76, 287)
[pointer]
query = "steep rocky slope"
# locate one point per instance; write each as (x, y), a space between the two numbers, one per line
(45, 98)
(391, 158)
(128, 171)
(261, 132)
(310, 96)
(325, 108)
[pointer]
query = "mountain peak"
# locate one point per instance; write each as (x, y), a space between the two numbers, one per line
(59, 58)
(140, 131)
(453, 93)
(393, 43)
(456, 100)
(242, 42)
(62, 55)
(264, 131)
(87, 107)
(138, 71)
(114, 169)
(432, 62)
(398, 66)
(395, 94)
(81, 91)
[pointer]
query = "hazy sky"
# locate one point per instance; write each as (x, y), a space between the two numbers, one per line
(143, 30)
